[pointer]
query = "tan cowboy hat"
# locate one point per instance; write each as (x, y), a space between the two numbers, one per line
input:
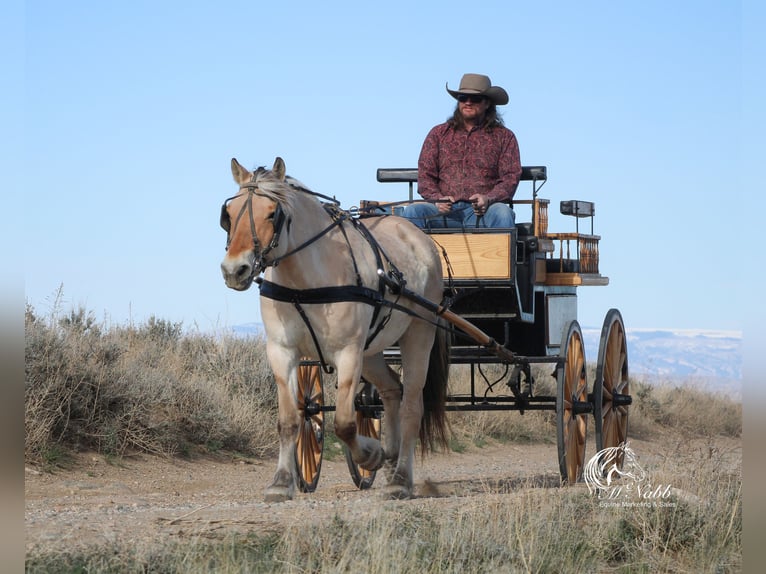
(477, 84)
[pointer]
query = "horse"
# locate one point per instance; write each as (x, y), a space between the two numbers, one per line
(326, 294)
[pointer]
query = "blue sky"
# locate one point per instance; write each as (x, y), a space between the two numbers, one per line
(133, 110)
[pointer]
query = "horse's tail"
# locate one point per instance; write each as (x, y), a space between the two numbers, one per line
(434, 428)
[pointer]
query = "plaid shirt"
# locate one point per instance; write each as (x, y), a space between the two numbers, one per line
(459, 163)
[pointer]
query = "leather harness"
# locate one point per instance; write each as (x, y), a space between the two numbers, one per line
(358, 293)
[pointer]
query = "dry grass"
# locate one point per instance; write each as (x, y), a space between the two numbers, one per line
(527, 530)
(156, 389)
(146, 388)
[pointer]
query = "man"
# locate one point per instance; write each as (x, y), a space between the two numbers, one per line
(469, 166)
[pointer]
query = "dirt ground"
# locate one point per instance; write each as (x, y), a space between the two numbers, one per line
(142, 499)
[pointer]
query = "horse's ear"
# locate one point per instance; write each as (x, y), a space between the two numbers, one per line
(241, 175)
(279, 168)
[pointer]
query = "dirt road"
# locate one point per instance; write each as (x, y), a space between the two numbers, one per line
(143, 498)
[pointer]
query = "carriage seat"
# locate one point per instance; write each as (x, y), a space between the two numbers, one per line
(537, 174)
(533, 173)
(478, 253)
(566, 259)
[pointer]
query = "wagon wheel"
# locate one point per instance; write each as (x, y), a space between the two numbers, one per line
(368, 414)
(611, 389)
(572, 405)
(310, 441)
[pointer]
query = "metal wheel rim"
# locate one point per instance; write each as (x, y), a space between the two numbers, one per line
(611, 378)
(572, 387)
(310, 442)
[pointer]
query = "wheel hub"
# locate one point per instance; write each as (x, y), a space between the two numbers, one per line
(311, 409)
(619, 400)
(582, 407)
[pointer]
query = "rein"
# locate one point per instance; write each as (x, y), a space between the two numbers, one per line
(392, 280)
(336, 222)
(279, 220)
(336, 294)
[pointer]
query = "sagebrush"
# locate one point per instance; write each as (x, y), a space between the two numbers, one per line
(159, 389)
(148, 387)
(155, 388)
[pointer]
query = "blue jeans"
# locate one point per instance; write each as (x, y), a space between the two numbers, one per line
(427, 216)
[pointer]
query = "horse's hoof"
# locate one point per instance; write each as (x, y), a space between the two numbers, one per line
(397, 492)
(389, 468)
(277, 494)
(374, 461)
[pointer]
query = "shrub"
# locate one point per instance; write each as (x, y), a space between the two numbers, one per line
(148, 388)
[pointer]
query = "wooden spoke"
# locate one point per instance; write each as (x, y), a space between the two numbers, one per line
(572, 405)
(310, 442)
(611, 389)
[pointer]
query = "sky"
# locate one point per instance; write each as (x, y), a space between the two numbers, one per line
(130, 113)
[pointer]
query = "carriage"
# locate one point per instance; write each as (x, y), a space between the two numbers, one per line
(509, 297)
(516, 287)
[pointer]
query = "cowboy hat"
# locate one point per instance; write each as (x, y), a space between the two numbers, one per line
(471, 84)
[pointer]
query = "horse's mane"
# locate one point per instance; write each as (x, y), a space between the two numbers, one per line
(281, 191)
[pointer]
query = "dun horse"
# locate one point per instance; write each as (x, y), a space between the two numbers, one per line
(322, 297)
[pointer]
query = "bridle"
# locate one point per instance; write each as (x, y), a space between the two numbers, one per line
(320, 295)
(390, 280)
(279, 220)
(299, 297)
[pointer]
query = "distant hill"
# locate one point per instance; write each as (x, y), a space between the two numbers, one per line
(706, 358)
(248, 329)
(710, 359)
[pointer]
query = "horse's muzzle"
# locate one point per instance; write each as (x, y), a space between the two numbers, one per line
(239, 275)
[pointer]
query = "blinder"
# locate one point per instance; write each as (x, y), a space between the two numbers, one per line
(278, 219)
(225, 219)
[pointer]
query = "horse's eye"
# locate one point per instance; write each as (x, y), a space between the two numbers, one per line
(270, 215)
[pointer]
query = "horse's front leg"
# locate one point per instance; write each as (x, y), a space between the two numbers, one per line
(365, 451)
(282, 487)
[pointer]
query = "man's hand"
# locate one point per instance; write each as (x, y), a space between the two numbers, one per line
(480, 203)
(444, 204)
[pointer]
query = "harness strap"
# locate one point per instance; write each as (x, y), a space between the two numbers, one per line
(325, 231)
(354, 294)
(379, 255)
(323, 295)
(353, 257)
(325, 367)
(320, 295)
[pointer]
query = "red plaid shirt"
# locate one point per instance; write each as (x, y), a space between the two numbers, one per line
(459, 163)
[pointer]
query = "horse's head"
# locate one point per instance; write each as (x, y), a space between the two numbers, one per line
(253, 220)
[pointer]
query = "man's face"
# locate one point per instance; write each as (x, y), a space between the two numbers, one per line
(472, 110)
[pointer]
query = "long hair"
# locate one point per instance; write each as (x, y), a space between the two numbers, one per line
(491, 118)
